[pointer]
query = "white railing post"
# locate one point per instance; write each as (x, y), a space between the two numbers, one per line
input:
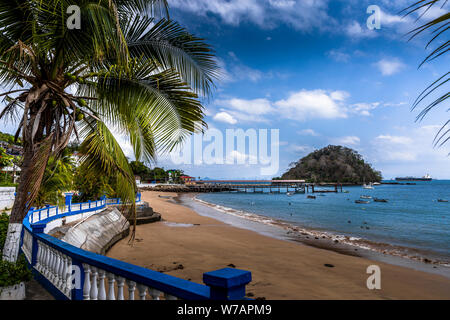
(87, 282)
(120, 284)
(111, 281)
(94, 288)
(131, 289)
(142, 291)
(155, 294)
(101, 287)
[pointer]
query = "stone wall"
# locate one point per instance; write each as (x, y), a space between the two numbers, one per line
(7, 197)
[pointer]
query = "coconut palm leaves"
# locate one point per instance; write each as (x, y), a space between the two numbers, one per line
(439, 28)
(129, 69)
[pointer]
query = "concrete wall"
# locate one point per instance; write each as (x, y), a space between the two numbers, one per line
(98, 232)
(7, 197)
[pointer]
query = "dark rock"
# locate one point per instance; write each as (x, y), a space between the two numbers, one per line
(231, 265)
(329, 265)
(250, 294)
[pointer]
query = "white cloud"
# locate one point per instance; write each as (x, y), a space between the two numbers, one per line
(255, 106)
(301, 15)
(235, 70)
(299, 148)
(395, 139)
(389, 67)
(305, 104)
(225, 117)
(308, 132)
(348, 141)
(356, 31)
(363, 109)
(338, 56)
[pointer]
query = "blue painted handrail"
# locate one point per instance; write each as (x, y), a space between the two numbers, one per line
(221, 284)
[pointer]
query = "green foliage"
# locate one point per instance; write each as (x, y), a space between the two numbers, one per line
(333, 164)
(4, 221)
(10, 139)
(5, 159)
(155, 174)
(11, 273)
(58, 178)
(92, 186)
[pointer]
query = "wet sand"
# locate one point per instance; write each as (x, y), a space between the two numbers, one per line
(187, 244)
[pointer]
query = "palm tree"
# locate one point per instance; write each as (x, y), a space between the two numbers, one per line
(438, 27)
(58, 178)
(129, 67)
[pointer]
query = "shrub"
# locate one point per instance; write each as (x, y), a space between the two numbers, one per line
(11, 273)
(14, 273)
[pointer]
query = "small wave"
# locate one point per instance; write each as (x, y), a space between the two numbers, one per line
(383, 248)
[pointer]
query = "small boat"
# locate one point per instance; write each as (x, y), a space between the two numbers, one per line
(379, 200)
(442, 200)
(311, 197)
(289, 194)
(368, 186)
(362, 201)
(365, 197)
(345, 191)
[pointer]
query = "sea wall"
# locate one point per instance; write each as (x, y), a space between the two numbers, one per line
(7, 197)
(98, 232)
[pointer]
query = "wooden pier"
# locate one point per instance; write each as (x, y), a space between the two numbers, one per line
(255, 186)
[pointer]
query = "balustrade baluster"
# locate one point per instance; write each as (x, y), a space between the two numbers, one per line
(52, 265)
(120, 284)
(68, 275)
(155, 294)
(64, 273)
(59, 270)
(94, 284)
(131, 289)
(111, 282)
(169, 297)
(101, 287)
(45, 261)
(87, 282)
(142, 291)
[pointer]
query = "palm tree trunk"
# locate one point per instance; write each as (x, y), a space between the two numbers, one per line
(29, 181)
(19, 210)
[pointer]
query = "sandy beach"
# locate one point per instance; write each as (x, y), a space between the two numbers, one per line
(280, 269)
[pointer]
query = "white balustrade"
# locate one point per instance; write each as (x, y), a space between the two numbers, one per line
(87, 282)
(101, 287)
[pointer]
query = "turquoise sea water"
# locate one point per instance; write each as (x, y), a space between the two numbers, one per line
(413, 221)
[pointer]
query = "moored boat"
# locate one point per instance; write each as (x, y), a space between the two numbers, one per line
(379, 200)
(362, 201)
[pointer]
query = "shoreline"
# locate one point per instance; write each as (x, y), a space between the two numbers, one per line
(323, 239)
(186, 244)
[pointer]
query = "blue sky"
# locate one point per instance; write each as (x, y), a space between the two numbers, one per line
(315, 71)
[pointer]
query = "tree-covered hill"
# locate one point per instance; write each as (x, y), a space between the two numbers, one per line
(333, 164)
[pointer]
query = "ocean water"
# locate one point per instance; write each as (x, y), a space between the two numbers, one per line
(412, 223)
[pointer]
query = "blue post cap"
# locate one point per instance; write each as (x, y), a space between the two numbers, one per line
(227, 283)
(38, 227)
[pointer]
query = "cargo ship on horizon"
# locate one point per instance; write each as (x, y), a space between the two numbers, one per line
(426, 177)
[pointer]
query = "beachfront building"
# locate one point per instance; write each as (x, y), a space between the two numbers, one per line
(187, 179)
